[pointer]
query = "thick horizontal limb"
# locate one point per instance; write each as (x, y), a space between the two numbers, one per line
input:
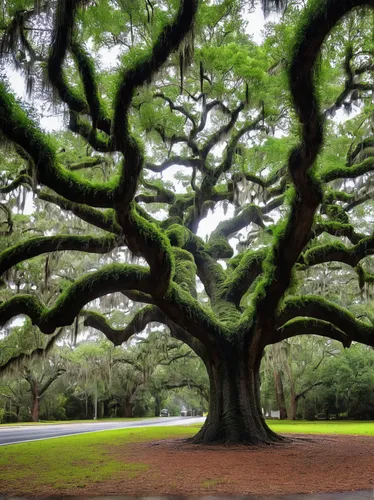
(103, 219)
(339, 252)
(351, 172)
(21, 179)
(309, 326)
(149, 314)
(318, 308)
(175, 160)
(142, 318)
(338, 229)
(37, 246)
(109, 279)
(88, 162)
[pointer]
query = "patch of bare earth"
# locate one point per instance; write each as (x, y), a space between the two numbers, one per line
(307, 464)
(304, 465)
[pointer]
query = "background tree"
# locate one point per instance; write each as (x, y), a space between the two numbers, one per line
(251, 128)
(37, 364)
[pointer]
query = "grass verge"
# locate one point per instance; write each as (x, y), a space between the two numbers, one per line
(323, 427)
(75, 461)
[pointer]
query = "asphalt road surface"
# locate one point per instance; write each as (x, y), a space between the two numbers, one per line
(20, 434)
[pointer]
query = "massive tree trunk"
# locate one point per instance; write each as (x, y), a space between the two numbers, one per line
(235, 414)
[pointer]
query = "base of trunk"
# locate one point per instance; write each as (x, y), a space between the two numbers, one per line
(235, 414)
(236, 432)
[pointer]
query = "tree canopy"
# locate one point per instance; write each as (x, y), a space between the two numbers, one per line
(173, 116)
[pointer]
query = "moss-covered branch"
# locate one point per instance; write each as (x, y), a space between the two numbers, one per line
(109, 279)
(317, 20)
(87, 73)
(99, 141)
(19, 181)
(355, 152)
(222, 132)
(142, 318)
(66, 11)
(19, 128)
(37, 246)
(218, 245)
(103, 219)
(209, 271)
(174, 107)
(88, 162)
(162, 195)
(338, 229)
(351, 172)
(189, 314)
(243, 275)
(232, 145)
(339, 252)
(175, 160)
(145, 238)
(318, 308)
(9, 221)
(310, 326)
(132, 78)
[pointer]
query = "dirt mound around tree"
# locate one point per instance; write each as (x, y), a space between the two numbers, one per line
(306, 464)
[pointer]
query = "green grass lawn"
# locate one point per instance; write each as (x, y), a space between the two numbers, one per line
(323, 427)
(73, 462)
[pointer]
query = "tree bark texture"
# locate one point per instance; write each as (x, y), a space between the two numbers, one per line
(235, 414)
(279, 393)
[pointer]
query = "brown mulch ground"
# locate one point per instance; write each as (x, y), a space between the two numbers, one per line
(307, 464)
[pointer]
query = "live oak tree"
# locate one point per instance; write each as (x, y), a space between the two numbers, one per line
(251, 129)
(24, 345)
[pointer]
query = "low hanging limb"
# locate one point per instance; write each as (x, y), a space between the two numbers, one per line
(315, 307)
(109, 279)
(45, 244)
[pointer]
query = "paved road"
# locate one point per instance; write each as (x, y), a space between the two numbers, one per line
(20, 434)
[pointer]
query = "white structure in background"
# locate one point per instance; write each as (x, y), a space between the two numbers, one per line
(271, 413)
